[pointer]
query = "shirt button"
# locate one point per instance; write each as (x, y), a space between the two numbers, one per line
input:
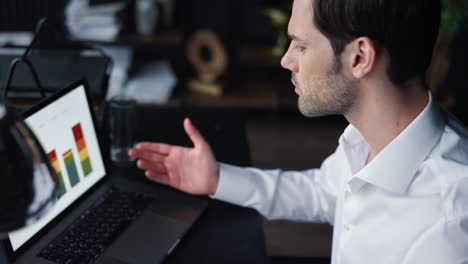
(347, 227)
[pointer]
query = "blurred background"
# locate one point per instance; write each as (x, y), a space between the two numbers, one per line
(208, 54)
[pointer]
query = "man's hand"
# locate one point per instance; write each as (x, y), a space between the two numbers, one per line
(192, 170)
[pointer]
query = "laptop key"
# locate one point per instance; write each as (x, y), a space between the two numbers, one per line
(85, 240)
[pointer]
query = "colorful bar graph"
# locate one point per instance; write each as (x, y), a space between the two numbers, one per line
(82, 149)
(71, 167)
(55, 164)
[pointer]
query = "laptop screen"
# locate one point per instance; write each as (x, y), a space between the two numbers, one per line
(65, 129)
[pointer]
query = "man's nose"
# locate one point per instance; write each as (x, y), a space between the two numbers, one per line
(287, 62)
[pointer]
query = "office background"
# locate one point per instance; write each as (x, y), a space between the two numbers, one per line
(251, 34)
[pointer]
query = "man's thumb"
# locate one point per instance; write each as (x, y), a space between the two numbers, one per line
(193, 133)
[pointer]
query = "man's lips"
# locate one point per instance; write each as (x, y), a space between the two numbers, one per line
(296, 89)
(298, 92)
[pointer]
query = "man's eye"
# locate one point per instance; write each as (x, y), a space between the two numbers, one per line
(299, 48)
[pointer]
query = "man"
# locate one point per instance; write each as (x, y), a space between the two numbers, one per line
(396, 189)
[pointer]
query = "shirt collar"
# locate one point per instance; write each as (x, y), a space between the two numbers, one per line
(396, 165)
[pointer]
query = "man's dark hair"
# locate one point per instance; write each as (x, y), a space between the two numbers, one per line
(407, 29)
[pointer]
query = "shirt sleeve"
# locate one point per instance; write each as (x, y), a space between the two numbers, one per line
(295, 195)
(445, 242)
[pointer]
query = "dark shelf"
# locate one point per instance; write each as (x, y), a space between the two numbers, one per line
(171, 37)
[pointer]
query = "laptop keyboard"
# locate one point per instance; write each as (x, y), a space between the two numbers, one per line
(87, 237)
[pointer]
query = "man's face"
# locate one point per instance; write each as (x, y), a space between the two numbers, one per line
(316, 72)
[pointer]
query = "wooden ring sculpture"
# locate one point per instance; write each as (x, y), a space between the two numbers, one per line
(209, 70)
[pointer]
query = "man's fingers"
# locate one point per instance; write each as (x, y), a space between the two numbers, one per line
(193, 133)
(160, 148)
(157, 177)
(147, 155)
(147, 165)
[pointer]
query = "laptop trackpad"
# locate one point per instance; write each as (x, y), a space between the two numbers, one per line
(147, 240)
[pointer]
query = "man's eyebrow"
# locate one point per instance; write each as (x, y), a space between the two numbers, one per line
(292, 36)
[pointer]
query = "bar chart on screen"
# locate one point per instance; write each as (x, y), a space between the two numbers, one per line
(82, 149)
(71, 167)
(56, 166)
(66, 131)
(70, 176)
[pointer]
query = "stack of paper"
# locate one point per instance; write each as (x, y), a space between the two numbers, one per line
(153, 83)
(97, 22)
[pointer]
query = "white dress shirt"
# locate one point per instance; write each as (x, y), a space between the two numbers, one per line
(408, 205)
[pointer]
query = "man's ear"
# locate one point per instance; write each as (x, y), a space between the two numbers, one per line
(361, 56)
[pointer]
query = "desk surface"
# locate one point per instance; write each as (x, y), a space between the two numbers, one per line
(224, 233)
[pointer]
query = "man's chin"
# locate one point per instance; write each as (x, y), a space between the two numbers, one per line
(313, 111)
(306, 111)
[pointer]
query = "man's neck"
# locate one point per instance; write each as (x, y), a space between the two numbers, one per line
(382, 113)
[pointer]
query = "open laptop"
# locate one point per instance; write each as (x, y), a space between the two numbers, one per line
(95, 219)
